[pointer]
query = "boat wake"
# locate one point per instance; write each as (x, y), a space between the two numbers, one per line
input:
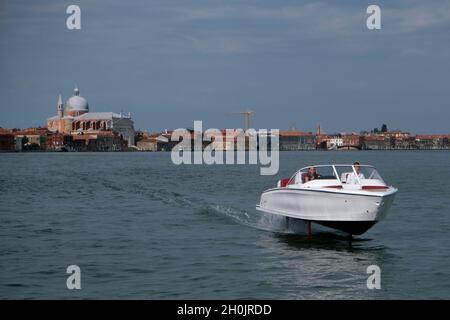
(261, 221)
(228, 213)
(224, 213)
(249, 218)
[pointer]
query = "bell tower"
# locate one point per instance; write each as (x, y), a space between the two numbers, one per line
(60, 107)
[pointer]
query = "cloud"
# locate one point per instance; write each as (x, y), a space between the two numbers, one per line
(239, 28)
(321, 19)
(310, 17)
(224, 27)
(418, 17)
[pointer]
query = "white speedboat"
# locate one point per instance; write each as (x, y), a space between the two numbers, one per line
(349, 198)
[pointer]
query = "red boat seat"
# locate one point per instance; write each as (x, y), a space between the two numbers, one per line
(284, 182)
(304, 174)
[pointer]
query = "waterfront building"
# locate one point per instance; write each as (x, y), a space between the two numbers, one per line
(334, 142)
(396, 134)
(223, 141)
(19, 145)
(377, 142)
(147, 144)
(58, 141)
(7, 141)
(390, 140)
(321, 141)
(31, 139)
(220, 140)
(165, 142)
(261, 140)
(74, 118)
(352, 141)
(404, 143)
(237, 140)
(432, 141)
(296, 140)
(156, 141)
(99, 141)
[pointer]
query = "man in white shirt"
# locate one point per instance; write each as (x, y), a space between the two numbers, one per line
(355, 178)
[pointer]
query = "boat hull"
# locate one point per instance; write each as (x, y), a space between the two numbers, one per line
(352, 213)
(350, 227)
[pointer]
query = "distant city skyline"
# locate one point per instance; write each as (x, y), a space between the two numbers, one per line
(295, 63)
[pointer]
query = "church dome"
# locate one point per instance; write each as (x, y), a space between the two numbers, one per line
(77, 103)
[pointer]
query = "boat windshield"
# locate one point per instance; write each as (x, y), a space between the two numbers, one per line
(358, 174)
(321, 172)
(345, 174)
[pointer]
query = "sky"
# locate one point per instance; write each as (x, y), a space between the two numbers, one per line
(170, 62)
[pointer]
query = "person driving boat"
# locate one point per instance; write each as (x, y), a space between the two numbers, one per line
(311, 174)
(356, 176)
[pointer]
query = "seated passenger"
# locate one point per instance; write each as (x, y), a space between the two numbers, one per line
(311, 174)
(356, 176)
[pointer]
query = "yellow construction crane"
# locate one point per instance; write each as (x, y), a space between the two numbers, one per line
(247, 115)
